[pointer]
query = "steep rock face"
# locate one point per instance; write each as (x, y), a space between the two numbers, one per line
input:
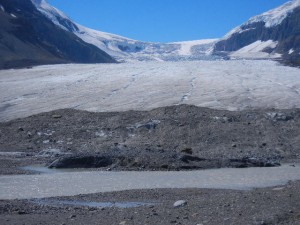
(275, 33)
(27, 38)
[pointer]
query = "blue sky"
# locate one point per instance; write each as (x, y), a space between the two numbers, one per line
(164, 20)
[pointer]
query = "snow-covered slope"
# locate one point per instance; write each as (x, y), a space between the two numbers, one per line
(269, 35)
(256, 50)
(127, 49)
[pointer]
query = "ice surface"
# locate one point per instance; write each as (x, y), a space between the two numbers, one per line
(186, 46)
(232, 85)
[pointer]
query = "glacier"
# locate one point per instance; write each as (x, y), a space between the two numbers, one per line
(230, 85)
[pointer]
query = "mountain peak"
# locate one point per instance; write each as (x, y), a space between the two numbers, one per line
(271, 18)
(39, 2)
(33, 39)
(55, 15)
(273, 34)
(276, 16)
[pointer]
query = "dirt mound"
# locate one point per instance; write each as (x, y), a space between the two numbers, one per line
(176, 137)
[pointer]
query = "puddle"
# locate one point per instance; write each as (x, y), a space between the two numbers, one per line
(14, 154)
(59, 203)
(45, 170)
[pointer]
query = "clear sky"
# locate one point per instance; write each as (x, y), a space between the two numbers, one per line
(164, 20)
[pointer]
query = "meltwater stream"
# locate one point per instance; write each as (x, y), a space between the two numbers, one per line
(87, 182)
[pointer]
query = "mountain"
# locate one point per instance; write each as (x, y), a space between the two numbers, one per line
(274, 34)
(126, 49)
(33, 32)
(28, 37)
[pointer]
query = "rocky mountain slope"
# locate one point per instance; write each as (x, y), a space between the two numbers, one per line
(27, 38)
(274, 34)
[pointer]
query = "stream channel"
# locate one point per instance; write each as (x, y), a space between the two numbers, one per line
(54, 183)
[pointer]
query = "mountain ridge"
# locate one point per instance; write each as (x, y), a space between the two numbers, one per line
(28, 38)
(255, 39)
(274, 34)
(127, 49)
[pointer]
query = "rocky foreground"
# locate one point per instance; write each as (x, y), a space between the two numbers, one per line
(171, 138)
(268, 206)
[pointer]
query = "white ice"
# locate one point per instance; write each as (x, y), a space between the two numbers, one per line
(232, 85)
(186, 46)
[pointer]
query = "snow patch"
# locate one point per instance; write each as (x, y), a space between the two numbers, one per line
(256, 50)
(276, 16)
(291, 51)
(51, 12)
(242, 31)
(2, 8)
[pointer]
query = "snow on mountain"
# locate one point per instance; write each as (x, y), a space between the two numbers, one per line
(263, 36)
(29, 38)
(267, 36)
(271, 18)
(126, 49)
(2, 8)
(255, 50)
(276, 16)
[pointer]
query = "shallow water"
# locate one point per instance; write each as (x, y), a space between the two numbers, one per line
(122, 205)
(43, 170)
(87, 182)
